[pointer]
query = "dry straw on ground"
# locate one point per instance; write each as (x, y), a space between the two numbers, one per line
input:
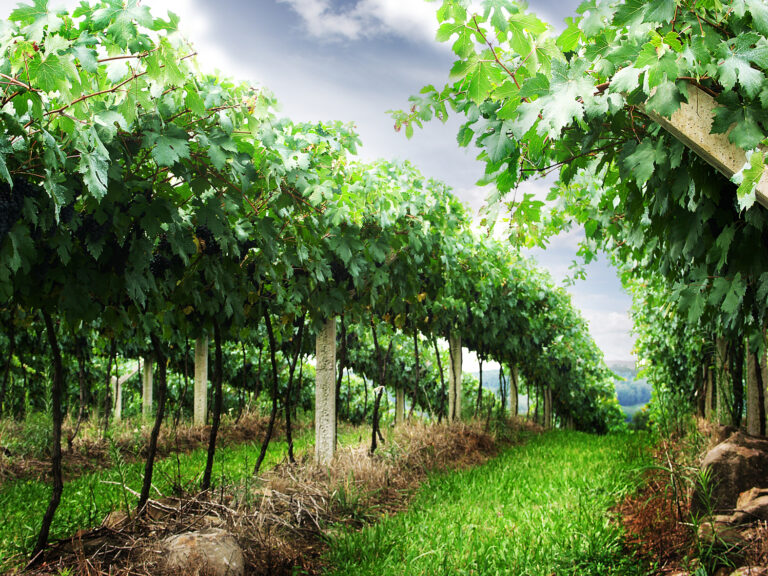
(281, 519)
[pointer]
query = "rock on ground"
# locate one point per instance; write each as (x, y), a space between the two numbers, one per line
(752, 506)
(736, 465)
(751, 571)
(209, 552)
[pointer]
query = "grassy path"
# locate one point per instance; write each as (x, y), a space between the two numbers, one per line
(539, 509)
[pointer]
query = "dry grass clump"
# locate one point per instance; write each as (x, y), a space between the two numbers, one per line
(650, 519)
(281, 519)
(756, 554)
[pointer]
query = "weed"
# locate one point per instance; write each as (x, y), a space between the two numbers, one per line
(121, 468)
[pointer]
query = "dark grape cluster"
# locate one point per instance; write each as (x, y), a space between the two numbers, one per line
(163, 259)
(159, 265)
(248, 245)
(208, 244)
(67, 213)
(341, 275)
(91, 230)
(12, 202)
(250, 269)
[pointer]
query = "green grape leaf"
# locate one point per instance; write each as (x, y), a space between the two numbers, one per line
(640, 164)
(630, 13)
(52, 72)
(746, 133)
(569, 38)
(94, 166)
(38, 18)
(168, 150)
(5, 148)
(625, 80)
(736, 290)
(748, 179)
(480, 84)
(498, 144)
(87, 57)
(665, 100)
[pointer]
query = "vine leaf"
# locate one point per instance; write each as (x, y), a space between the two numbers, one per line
(167, 149)
(749, 178)
(666, 99)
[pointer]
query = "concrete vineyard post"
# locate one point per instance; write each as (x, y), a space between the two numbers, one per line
(325, 393)
(692, 125)
(753, 395)
(146, 393)
(117, 393)
(764, 372)
(399, 406)
(454, 383)
(722, 381)
(513, 398)
(117, 399)
(201, 381)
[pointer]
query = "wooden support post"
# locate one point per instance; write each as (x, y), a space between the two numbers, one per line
(146, 393)
(454, 383)
(692, 125)
(325, 393)
(201, 381)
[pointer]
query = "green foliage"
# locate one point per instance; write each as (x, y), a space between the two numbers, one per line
(578, 105)
(540, 508)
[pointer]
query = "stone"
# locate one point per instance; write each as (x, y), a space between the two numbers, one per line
(750, 496)
(209, 552)
(752, 511)
(736, 465)
(750, 571)
(718, 533)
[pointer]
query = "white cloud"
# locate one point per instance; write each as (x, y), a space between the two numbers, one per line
(367, 18)
(611, 332)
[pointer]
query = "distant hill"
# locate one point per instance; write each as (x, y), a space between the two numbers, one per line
(633, 392)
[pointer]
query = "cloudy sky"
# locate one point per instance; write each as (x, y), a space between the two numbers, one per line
(352, 60)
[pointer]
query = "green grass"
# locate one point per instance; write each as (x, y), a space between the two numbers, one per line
(537, 509)
(88, 499)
